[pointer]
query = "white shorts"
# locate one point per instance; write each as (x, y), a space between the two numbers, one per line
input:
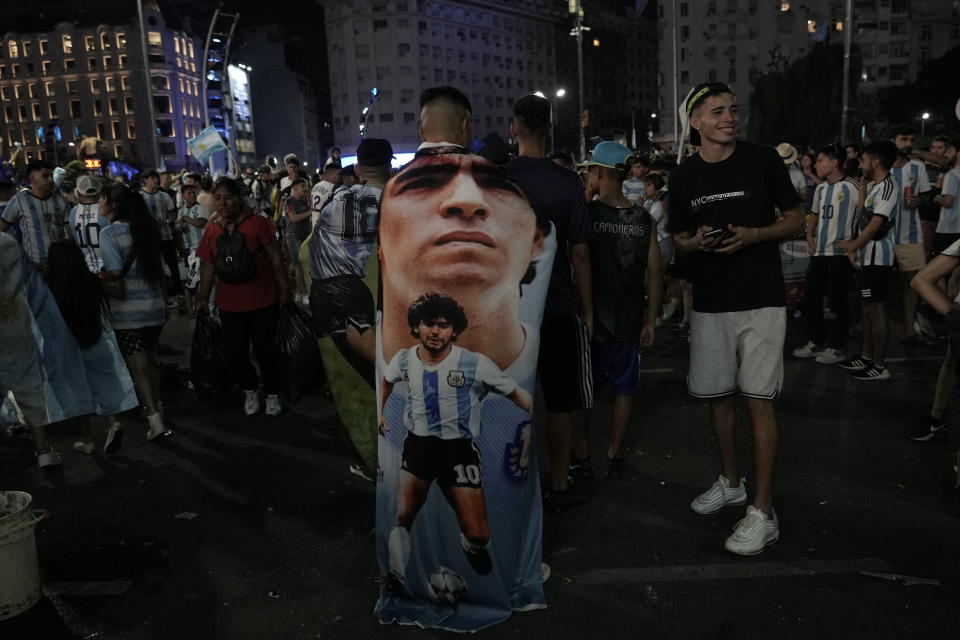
(737, 351)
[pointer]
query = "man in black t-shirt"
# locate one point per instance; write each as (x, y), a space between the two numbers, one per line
(723, 216)
(625, 260)
(556, 194)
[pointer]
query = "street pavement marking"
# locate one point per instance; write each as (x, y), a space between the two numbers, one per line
(729, 571)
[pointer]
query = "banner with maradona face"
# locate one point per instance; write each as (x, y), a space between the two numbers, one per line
(465, 265)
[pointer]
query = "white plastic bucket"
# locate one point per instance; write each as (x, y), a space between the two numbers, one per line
(20, 585)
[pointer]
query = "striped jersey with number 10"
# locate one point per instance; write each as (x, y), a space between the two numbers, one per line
(835, 206)
(443, 399)
(85, 225)
(345, 233)
(41, 221)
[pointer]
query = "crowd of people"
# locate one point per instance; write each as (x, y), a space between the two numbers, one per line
(642, 243)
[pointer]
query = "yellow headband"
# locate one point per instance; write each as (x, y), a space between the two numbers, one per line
(693, 100)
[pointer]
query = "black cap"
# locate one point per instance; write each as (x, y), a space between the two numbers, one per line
(373, 152)
(533, 111)
(349, 170)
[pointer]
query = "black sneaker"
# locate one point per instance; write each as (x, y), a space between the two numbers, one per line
(871, 374)
(561, 501)
(857, 363)
(581, 469)
(480, 561)
(926, 428)
(615, 467)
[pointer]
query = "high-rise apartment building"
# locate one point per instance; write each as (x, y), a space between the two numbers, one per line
(734, 41)
(83, 74)
(494, 51)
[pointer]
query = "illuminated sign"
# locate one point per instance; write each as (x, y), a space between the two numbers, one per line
(91, 163)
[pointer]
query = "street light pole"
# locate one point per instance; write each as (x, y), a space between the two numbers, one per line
(923, 126)
(847, 45)
(154, 144)
(576, 8)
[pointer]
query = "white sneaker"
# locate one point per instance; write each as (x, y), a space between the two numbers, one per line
(545, 571)
(921, 324)
(754, 532)
(48, 458)
(83, 447)
(157, 428)
(251, 402)
(808, 350)
(273, 405)
(719, 495)
(830, 356)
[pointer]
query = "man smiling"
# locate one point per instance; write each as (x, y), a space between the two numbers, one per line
(723, 202)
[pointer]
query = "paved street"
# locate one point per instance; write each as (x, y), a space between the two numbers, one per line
(281, 546)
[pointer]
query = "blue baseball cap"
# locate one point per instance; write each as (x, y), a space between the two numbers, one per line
(612, 155)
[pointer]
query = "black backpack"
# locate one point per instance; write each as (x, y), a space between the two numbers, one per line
(234, 263)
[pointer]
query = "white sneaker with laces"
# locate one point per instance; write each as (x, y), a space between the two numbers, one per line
(719, 495)
(754, 532)
(251, 402)
(830, 356)
(808, 350)
(273, 405)
(921, 324)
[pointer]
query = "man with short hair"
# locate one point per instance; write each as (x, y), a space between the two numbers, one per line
(948, 227)
(260, 189)
(723, 202)
(873, 251)
(192, 218)
(563, 367)
(446, 118)
(334, 156)
(86, 221)
(829, 274)
(911, 179)
(40, 213)
(937, 165)
(348, 175)
(161, 207)
(341, 244)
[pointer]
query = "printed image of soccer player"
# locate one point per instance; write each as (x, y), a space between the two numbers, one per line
(453, 221)
(446, 386)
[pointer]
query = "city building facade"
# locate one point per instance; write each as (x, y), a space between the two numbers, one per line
(67, 80)
(734, 41)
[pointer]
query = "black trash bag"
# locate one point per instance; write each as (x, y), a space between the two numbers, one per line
(301, 369)
(209, 368)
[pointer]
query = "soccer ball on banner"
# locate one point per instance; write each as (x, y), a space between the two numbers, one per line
(447, 586)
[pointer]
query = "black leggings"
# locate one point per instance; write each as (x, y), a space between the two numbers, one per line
(169, 250)
(830, 277)
(259, 327)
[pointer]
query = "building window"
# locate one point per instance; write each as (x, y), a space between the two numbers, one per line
(125, 83)
(110, 84)
(162, 104)
(112, 106)
(71, 87)
(25, 48)
(122, 61)
(131, 129)
(4, 94)
(101, 131)
(13, 49)
(98, 107)
(48, 88)
(107, 60)
(22, 112)
(8, 115)
(165, 128)
(44, 47)
(127, 105)
(18, 91)
(32, 90)
(105, 41)
(386, 117)
(67, 42)
(684, 9)
(154, 39)
(684, 77)
(52, 109)
(408, 118)
(121, 40)
(161, 82)
(91, 64)
(35, 109)
(190, 48)
(45, 66)
(684, 34)
(94, 88)
(115, 129)
(69, 63)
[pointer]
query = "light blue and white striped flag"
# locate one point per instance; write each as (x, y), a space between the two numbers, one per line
(205, 144)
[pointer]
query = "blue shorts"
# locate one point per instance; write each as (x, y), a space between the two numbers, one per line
(617, 363)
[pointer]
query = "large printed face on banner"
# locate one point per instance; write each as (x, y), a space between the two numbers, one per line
(453, 223)
(464, 272)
